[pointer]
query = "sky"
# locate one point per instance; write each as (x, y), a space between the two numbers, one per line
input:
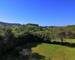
(42, 12)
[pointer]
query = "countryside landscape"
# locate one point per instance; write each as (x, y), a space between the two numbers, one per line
(37, 29)
(34, 42)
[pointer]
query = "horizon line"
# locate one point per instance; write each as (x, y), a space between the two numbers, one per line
(33, 23)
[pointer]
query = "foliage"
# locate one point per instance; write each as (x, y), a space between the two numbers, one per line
(15, 38)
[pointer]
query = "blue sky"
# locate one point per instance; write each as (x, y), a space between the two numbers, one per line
(43, 12)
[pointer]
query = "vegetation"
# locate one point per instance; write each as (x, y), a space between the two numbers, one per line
(55, 52)
(16, 41)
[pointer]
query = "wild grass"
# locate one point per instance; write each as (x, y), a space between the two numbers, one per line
(55, 52)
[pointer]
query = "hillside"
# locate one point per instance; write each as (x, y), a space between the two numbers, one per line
(53, 30)
(55, 52)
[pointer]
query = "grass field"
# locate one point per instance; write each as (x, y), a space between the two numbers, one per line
(55, 52)
(65, 40)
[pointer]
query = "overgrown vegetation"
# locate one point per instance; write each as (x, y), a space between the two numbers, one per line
(16, 40)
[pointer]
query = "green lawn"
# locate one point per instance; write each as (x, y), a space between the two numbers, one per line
(55, 52)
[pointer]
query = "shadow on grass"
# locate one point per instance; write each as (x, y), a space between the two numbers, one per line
(62, 43)
(36, 56)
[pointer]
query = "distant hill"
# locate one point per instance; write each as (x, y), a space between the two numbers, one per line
(9, 24)
(31, 24)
